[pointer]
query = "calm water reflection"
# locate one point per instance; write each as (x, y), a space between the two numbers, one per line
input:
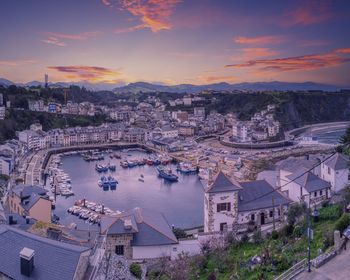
(181, 202)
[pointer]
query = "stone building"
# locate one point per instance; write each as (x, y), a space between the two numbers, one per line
(228, 203)
(138, 234)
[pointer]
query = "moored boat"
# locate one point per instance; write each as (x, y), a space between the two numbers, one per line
(167, 174)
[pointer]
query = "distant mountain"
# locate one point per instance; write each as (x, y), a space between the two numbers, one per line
(5, 83)
(258, 86)
(87, 85)
(184, 88)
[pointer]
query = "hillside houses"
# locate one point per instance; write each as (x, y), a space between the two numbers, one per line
(261, 127)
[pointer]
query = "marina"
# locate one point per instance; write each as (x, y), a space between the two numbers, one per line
(136, 186)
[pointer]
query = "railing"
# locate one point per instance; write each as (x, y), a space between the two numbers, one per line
(293, 271)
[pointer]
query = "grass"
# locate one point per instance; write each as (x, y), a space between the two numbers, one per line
(284, 252)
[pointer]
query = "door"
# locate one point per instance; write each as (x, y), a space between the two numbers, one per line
(262, 218)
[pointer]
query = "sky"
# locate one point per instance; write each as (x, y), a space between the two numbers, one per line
(175, 41)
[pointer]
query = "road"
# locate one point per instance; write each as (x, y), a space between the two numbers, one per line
(336, 269)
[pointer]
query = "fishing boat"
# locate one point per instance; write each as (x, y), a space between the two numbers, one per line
(112, 182)
(186, 168)
(112, 167)
(132, 163)
(101, 168)
(124, 164)
(167, 174)
(141, 180)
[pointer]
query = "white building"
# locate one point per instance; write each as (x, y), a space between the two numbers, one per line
(336, 171)
(228, 204)
(2, 112)
(5, 165)
(187, 100)
(34, 140)
(169, 132)
(240, 131)
(273, 128)
(304, 185)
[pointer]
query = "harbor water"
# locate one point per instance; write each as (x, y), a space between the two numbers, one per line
(181, 202)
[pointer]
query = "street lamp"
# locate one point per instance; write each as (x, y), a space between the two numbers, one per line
(309, 231)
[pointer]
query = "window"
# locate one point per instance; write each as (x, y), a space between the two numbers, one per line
(223, 207)
(329, 170)
(223, 226)
(315, 194)
(119, 250)
(279, 212)
(271, 213)
(320, 193)
(252, 217)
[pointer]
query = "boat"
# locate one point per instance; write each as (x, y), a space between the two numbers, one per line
(149, 161)
(167, 174)
(101, 168)
(103, 182)
(112, 167)
(186, 168)
(132, 163)
(124, 164)
(141, 180)
(112, 182)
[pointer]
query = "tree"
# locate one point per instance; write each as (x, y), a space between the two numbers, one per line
(294, 212)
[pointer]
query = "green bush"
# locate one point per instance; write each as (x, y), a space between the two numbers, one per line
(136, 270)
(342, 223)
(298, 231)
(294, 212)
(287, 230)
(331, 212)
(274, 234)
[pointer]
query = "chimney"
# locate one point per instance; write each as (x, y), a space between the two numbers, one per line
(27, 261)
(127, 224)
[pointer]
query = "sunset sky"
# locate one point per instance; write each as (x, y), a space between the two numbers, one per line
(175, 41)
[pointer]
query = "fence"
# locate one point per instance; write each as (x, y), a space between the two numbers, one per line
(293, 271)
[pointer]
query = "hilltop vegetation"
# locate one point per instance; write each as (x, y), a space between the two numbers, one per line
(294, 109)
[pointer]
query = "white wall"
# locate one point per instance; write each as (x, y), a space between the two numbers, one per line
(219, 217)
(337, 178)
(151, 252)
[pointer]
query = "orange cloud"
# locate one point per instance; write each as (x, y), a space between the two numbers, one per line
(312, 12)
(93, 74)
(345, 50)
(154, 14)
(261, 40)
(298, 63)
(57, 39)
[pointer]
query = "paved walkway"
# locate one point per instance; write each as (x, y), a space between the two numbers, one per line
(336, 269)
